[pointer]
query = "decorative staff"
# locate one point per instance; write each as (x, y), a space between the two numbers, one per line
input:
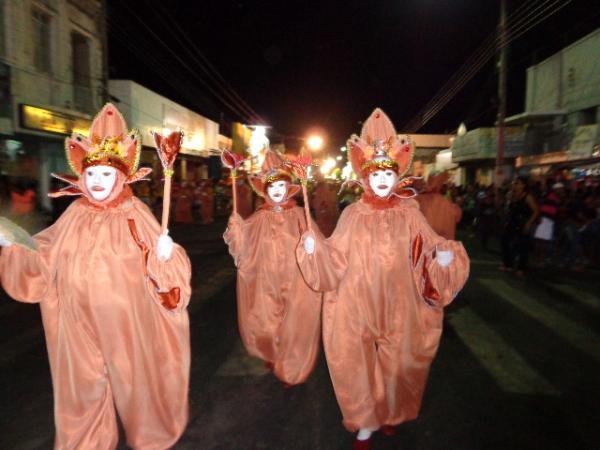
(168, 148)
(299, 168)
(232, 161)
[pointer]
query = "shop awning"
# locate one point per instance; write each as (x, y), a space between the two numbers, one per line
(533, 117)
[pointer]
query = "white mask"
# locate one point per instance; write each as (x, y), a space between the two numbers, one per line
(382, 182)
(277, 191)
(100, 181)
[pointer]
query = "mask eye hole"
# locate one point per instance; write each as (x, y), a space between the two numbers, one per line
(90, 173)
(106, 174)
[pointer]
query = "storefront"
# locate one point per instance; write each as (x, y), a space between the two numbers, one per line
(36, 147)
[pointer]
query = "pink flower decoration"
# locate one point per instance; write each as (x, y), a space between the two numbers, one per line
(232, 160)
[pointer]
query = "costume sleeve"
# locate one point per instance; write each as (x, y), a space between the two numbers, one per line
(325, 267)
(26, 275)
(436, 284)
(234, 238)
(173, 277)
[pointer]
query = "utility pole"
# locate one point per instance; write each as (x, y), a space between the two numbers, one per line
(500, 138)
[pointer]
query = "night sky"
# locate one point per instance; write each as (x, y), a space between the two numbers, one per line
(304, 65)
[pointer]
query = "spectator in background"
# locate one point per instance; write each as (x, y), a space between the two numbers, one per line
(487, 216)
(521, 214)
(545, 231)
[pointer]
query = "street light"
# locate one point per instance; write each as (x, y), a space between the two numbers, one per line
(315, 143)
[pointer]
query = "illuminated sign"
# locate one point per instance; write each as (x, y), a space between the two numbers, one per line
(40, 119)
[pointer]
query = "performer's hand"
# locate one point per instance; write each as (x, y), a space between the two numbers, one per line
(164, 247)
(309, 243)
(235, 220)
(444, 258)
(4, 242)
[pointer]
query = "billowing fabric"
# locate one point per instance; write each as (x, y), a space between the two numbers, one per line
(382, 310)
(441, 213)
(111, 344)
(278, 314)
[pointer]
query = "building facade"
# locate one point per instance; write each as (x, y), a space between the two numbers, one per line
(51, 82)
(562, 107)
(148, 111)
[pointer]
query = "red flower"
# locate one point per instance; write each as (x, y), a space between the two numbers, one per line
(232, 160)
(168, 147)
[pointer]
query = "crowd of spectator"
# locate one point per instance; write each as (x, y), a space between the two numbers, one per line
(544, 223)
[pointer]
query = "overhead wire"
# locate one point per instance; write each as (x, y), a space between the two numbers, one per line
(154, 63)
(198, 56)
(530, 16)
(226, 103)
(447, 93)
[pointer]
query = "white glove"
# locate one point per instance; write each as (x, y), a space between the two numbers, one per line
(309, 245)
(164, 247)
(444, 258)
(4, 242)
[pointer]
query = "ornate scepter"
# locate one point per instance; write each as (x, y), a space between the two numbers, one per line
(167, 148)
(232, 161)
(299, 168)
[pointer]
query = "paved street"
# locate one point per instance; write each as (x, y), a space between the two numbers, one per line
(517, 369)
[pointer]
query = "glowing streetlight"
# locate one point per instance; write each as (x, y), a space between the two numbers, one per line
(315, 143)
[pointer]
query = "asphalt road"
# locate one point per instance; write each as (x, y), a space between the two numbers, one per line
(517, 368)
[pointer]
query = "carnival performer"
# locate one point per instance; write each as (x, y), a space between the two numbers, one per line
(325, 207)
(245, 198)
(278, 314)
(386, 277)
(113, 294)
(441, 213)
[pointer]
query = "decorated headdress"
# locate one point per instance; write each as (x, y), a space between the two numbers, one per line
(107, 144)
(379, 147)
(274, 168)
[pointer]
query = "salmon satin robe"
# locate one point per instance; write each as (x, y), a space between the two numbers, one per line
(278, 314)
(111, 344)
(441, 213)
(382, 311)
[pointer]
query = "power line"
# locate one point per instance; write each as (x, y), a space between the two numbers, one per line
(211, 72)
(232, 108)
(530, 15)
(437, 104)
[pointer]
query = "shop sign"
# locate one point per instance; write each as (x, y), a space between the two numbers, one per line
(40, 119)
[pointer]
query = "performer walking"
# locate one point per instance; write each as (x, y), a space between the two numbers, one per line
(387, 277)
(113, 296)
(441, 213)
(278, 314)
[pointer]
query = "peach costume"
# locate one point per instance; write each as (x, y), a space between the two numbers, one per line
(278, 314)
(384, 290)
(114, 316)
(441, 213)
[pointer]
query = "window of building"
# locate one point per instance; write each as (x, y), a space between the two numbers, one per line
(80, 50)
(41, 38)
